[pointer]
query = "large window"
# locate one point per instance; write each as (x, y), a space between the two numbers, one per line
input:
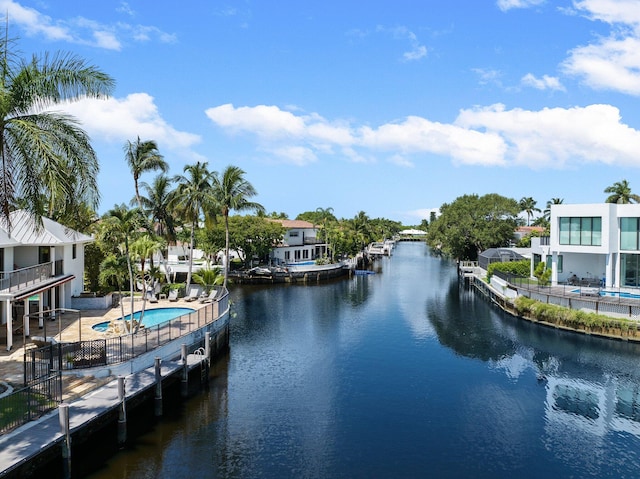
(585, 231)
(629, 233)
(558, 264)
(630, 269)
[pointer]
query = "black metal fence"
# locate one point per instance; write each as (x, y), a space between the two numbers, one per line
(28, 403)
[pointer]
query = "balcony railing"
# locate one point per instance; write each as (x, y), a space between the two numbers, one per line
(23, 277)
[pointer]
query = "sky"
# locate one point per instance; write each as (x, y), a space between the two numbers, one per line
(391, 108)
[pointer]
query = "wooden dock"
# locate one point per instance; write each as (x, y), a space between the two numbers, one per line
(21, 446)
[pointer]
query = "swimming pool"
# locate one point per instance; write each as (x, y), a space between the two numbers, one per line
(151, 317)
(614, 294)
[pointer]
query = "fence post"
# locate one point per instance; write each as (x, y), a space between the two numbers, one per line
(122, 413)
(158, 398)
(185, 372)
(63, 412)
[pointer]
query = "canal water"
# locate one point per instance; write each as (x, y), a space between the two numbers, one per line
(401, 374)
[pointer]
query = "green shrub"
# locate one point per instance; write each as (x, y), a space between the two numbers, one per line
(520, 268)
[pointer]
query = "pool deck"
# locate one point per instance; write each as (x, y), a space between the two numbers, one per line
(69, 329)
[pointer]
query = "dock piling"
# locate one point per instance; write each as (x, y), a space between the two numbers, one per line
(158, 397)
(63, 412)
(122, 413)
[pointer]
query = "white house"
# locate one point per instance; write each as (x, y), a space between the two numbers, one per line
(41, 269)
(595, 243)
(299, 244)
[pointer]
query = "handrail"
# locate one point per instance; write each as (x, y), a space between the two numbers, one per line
(16, 279)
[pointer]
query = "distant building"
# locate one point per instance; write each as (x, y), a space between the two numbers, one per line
(300, 243)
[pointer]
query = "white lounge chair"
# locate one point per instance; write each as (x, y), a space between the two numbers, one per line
(211, 297)
(193, 295)
(173, 295)
(151, 297)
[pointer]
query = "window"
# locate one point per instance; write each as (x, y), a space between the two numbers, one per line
(629, 233)
(1, 259)
(305, 254)
(296, 254)
(287, 255)
(584, 231)
(293, 234)
(558, 265)
(73, 251)
(630, 269)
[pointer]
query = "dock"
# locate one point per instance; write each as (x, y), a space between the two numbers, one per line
(23, 445)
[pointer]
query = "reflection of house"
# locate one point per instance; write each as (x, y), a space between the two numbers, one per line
(595, 242)
(41, 269)
(300, 243)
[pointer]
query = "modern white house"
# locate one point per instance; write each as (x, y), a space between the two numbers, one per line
(41, 269)
(299, 244)
(595, 244)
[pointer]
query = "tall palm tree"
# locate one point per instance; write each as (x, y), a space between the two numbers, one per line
(547, 211)
(119, 227)
(231, 191)
(44, 154)
(194, 195)
(143, 156)
(157, 204)
(621, 193)
(528, 205)
(325, 215)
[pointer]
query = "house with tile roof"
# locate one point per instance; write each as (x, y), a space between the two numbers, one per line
(41, 268)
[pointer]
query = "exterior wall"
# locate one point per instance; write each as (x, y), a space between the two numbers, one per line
(24, 256)
(297, 236)
(74, 267)
(587, 260)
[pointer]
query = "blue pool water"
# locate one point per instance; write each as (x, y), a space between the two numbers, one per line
(152, 317)
(615, 294)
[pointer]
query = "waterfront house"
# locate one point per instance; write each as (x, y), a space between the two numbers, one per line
(592, 244)
(42, 267)
(299, 244)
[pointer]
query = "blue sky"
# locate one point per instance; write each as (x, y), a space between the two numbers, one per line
(392, 108)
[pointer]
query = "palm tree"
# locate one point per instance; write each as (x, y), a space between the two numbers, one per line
(143, 156)
(208, 278)
(194, 195)
(231, 191)
(45, 155)
(547, 211)
(119, 227)
(326, 214)
(114, 268)
(157, 205)
(621, 193)
(528, 205)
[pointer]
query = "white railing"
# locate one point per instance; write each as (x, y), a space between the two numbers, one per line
(20, 278)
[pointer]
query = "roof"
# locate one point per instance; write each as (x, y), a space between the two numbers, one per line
(295, 224)
(24, 230)
(530, 229)
(501, 252)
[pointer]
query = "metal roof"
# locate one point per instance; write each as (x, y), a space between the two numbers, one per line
(25, 230)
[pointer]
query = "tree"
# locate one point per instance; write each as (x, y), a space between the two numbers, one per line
(114, 269)
(621, 193)
(472, 224)
(208, 278)
(547, 211)
(143, 156)
(528, 205)
(231, 191)
(119, 227)
(45, 157)
(193, 196)
(325, 215)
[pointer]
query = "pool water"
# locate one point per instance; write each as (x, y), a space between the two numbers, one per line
(615, 294)
(152, 317)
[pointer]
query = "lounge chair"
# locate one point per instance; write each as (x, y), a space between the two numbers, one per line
(173, 295)
(193, 295)
(210, 298)
(151, 297)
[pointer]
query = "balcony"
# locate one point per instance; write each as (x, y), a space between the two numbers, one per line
(23, 278)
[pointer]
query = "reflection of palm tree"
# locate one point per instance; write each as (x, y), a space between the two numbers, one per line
(45, 154)
(231, 191)
(621, 193)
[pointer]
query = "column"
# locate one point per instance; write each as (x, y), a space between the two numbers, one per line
(9, 325)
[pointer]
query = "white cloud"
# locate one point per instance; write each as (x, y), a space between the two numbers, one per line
(611, 11)
(81, 30)
(505, 5)
(118, 120)
(555, 137)
(545, 83)
(483, 136)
